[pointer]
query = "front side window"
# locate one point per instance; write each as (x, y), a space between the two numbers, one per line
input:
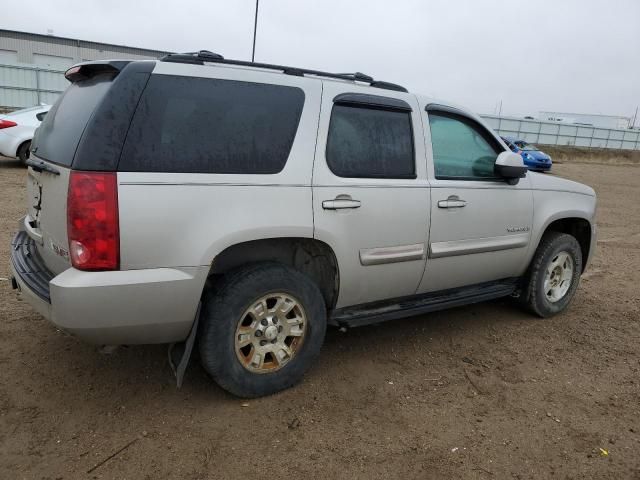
(461, 148)
(368, 142)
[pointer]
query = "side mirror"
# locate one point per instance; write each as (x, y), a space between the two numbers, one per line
(510, 166)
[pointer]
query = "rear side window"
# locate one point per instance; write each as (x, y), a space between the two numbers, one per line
(57, 137)
(201, 125)
(366, 142)
(40, 116)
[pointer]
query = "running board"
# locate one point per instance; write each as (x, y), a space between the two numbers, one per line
(393, 309)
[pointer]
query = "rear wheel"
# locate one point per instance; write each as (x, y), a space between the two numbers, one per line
(553, 275)
(262, 328)
(23, 151)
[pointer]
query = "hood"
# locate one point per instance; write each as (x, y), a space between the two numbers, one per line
(537, 154)
(540, 181)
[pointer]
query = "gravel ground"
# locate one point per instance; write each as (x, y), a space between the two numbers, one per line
(479, 392)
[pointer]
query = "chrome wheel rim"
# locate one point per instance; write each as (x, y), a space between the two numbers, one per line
(270, 332)
(558, 276)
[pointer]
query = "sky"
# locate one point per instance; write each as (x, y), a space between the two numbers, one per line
(532, 55)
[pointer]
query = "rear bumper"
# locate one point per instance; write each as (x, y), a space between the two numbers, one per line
(120, 307)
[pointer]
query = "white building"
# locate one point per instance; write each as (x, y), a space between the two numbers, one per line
(587, 119)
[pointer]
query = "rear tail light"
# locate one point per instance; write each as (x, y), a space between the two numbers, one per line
(92, 221)
(7, 124)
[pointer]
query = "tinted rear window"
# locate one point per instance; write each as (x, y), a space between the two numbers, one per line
(57, 137)
(370, 143)
(187, 124)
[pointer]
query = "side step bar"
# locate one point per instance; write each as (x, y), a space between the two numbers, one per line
(393, 309)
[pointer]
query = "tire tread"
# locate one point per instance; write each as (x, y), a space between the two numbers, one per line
(531, 295)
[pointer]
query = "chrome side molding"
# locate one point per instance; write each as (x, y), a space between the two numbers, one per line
(477, 245)
(400, 253)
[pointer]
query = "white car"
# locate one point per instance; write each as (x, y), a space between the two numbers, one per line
(17, 129)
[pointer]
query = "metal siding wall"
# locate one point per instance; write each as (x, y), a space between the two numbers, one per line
(555, 133)
(26, 83)
(18, 98)
(26, 44)
(14, 77)
(26, 86)
(52, 80)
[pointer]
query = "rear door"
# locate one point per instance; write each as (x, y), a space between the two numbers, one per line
(370, 194)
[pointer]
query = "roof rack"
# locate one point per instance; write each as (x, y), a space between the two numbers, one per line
(199, 58)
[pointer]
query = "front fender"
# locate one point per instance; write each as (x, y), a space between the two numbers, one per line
(550, 206)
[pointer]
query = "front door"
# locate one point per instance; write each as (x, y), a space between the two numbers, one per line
(480, 225)
(370, 193)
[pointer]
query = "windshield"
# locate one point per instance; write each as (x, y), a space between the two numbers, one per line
(526, 146)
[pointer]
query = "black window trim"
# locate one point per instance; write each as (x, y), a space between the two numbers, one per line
(461, 116)
(372, 101)
(378, 106)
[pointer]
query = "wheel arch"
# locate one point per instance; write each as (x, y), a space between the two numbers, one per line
(14, 145)
(577, 226)
(311, 257)
(21, 144)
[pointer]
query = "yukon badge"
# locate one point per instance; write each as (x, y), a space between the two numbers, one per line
(517, 229)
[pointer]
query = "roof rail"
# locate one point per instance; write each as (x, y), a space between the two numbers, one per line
(199, 58)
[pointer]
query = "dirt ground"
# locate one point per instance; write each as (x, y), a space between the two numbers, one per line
(479, 392)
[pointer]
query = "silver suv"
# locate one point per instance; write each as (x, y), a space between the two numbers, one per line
(244, 207)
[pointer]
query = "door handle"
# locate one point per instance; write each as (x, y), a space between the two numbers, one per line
(452, 202)
(341, 202)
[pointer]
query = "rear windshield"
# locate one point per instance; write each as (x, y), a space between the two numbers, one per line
(200, 125)
(57, 137)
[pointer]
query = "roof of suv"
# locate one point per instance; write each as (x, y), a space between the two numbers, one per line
(204, 56)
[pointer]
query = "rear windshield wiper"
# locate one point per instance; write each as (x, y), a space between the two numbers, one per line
(41, 166)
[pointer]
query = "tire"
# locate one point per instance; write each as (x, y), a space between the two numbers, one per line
(553, 299)
(23, 151)
(223, 320)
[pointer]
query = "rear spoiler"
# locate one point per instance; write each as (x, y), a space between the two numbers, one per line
(83, 71)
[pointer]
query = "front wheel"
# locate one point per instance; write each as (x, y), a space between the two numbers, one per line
(262, 328)
(553, 275)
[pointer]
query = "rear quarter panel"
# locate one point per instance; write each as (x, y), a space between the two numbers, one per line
(186, 219)
(174, 222)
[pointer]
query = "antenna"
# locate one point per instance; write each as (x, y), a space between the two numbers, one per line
(255, 30)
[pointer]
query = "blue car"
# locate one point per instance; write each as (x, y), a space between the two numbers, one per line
(533, 158)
